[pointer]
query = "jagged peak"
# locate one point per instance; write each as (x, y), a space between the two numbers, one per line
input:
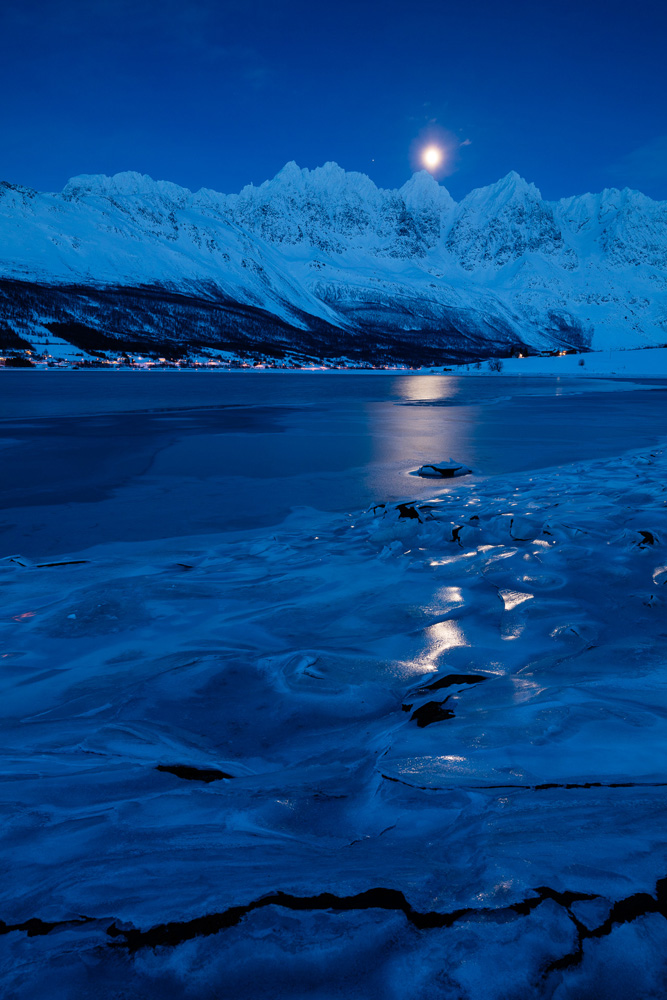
(329, 180)
(290, 173)
(514, 179)
(608, 198)
(423, 191)
(514, 184)
(127, 183)
(510, 188)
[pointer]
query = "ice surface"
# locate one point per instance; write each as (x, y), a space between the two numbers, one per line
(373, 757)
(245, 450)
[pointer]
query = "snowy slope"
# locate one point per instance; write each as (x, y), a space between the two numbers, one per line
(327, 250)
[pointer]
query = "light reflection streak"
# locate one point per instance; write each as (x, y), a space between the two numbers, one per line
(427, 388)
(513, 598)
(404, 435)
(453, 559)
(439, 639)
(450, 595)
(442, 637)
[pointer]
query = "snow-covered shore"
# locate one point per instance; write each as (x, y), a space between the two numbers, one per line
(449, 717)
(649, 362)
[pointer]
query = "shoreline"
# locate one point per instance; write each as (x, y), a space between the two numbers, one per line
(646, 362)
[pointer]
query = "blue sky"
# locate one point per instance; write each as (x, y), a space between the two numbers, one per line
(572, 95)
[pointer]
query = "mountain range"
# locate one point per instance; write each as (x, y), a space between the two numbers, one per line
(324, 262)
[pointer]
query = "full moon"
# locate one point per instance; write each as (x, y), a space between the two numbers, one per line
(432, 157)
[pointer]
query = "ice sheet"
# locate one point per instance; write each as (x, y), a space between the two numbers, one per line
(461, 704)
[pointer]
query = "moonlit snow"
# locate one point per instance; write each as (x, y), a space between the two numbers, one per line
(413, 751)
(327, 250)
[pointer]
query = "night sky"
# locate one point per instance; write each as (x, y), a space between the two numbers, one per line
(218, 94)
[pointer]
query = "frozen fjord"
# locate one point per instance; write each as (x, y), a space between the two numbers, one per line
(463, 708)
(134, 456)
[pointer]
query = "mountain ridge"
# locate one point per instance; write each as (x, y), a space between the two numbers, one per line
(501, 269)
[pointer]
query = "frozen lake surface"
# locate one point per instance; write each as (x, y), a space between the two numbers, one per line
(259, 743)
(100, 456)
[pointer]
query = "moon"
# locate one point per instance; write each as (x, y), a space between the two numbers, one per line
(432, 157)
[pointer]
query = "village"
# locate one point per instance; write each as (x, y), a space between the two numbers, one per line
(70, 358)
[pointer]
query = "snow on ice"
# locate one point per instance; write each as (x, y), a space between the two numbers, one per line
(416, 752)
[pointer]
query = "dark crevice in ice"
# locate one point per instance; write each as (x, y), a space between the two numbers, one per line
(407, 510)
(69, 562)
(383, 899)
(177, 932)
(624, 911)
(34, 927)
(523, 788)
(174, 933)
(598, 784)
(421, 512)
(545, 786)
(450, 680)
(412, 509)
(189, 773)
(431, 712)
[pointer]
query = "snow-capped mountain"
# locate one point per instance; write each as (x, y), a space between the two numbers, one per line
(324, 260)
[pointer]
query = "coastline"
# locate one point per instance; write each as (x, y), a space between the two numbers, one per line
(649, 362)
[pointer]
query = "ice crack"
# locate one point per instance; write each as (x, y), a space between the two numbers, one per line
(34, 927)
(189, 773)
(177, 932)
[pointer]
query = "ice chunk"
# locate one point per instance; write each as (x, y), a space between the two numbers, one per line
(443, 470)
